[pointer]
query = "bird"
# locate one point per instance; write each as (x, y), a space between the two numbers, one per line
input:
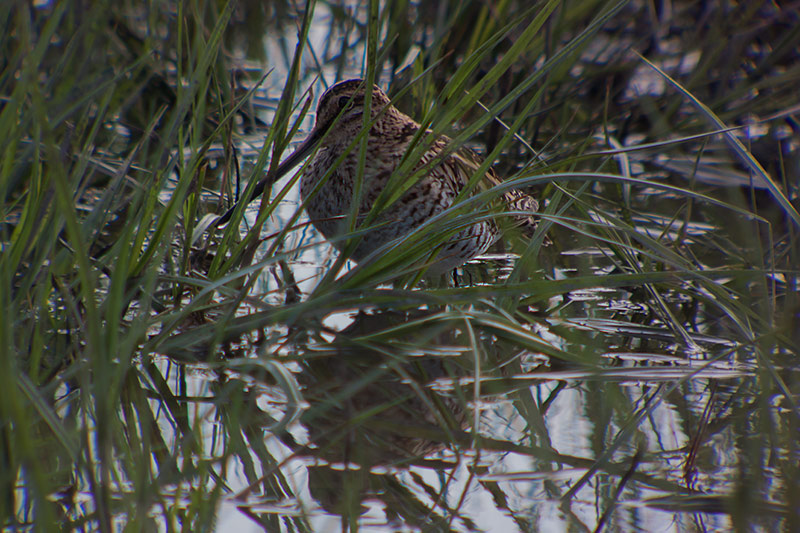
(445, 173)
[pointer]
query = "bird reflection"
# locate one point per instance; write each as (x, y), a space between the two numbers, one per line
(370, 407)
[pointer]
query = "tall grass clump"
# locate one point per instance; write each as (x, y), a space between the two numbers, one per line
(162, 373)
(108, 113)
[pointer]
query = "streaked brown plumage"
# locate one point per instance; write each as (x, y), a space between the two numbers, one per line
(339, 121)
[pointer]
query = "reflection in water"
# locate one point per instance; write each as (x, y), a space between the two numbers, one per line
(388, 400)
(371, 412)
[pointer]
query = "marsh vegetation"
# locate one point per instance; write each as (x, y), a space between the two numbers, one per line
(639, 373)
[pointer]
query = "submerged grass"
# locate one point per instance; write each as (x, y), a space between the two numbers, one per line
(149, 370)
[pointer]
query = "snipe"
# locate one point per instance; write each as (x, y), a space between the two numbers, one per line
(339, 121)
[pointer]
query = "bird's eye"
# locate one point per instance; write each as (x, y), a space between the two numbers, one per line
(345, 101)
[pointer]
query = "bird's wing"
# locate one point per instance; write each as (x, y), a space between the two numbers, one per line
(514, 199)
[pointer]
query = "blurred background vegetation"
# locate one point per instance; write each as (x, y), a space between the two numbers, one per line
(641, 370)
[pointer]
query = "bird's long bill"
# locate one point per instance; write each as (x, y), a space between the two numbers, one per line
(298, 155)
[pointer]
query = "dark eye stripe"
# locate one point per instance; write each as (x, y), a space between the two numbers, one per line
(357, 100)
(342, 88)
